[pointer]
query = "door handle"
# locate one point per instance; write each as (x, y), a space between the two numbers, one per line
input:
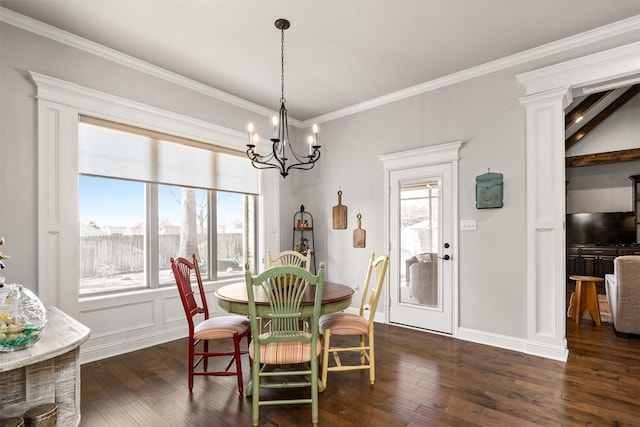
(445, 257)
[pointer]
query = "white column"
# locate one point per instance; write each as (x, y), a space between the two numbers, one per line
(546, 295)
(58, 206)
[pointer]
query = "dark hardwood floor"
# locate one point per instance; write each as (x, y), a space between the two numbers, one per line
(422, 379)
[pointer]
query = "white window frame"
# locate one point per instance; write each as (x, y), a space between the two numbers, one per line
(60, 104)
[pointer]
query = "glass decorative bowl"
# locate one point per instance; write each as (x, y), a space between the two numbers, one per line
(23, 317)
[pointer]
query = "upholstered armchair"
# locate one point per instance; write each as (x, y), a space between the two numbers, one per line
(422, 277)
(623, 292)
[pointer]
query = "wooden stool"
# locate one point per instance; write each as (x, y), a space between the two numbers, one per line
(586, 297)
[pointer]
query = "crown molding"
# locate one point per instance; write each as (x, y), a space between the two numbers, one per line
(559, 46)
(111, 107)
(61, 36)
(568, 43)
(594, 69)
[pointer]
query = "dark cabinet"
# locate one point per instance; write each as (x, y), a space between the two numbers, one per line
(594, 260)
(597, 261)
(573, 261)
(629, 251)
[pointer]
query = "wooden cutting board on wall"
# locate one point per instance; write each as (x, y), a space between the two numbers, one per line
(339, 214)
(359, 235)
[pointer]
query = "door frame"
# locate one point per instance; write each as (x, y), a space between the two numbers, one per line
(549, 91)
(427, 156)
(438, 318)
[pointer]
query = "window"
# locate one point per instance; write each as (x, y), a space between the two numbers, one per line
(143, 200)
(112, 217)
(419, 217)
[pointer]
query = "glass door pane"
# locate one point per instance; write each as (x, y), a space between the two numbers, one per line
(419, 242)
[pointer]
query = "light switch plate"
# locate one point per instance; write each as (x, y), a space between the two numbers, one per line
(468, 225)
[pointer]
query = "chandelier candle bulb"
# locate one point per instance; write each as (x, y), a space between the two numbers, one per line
(250, 129)
(310, 145)
(315, 133)
(274, 120)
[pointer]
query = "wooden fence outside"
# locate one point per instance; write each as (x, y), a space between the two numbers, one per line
(117, 254)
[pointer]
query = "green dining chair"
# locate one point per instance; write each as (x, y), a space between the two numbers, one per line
(286, 351)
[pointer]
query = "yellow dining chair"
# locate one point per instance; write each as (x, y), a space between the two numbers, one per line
(302, 260)
(286, 343)
(360, 325)
(222, 327)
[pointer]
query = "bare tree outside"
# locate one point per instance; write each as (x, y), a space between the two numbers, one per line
(119, 217)
(189, 228)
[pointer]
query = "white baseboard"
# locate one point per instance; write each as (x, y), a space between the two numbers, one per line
(91, 353)
(515, 344)
(521, 345)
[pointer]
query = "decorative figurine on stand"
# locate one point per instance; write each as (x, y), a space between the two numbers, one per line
(304, 245)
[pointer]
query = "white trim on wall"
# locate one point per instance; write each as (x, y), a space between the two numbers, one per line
(110, 107)
(120, 322)
(61, 36)
(615, 29)
(432, 155)
(548, 93)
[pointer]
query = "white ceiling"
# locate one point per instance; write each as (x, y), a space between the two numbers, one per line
(338, 53)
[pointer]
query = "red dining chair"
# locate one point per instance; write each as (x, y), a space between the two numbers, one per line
(221, 327)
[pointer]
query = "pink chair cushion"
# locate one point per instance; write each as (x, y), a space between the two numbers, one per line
(277, 353)
(221, 327)
(344, 324)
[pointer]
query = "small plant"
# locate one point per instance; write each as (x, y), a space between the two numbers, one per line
(107, 270)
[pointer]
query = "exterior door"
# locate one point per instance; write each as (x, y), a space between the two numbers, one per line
(420, 226)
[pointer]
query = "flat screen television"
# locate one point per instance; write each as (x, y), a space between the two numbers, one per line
(604, 228)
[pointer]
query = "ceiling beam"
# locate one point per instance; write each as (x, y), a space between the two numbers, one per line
(581, 109)
(601, 117)
(603, 158)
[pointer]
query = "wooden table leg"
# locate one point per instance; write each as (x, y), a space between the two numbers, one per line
(587, 300)
(577, 310)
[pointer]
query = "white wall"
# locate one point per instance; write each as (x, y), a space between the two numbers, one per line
(22, 51)
(484, 112)
(601, 188)
(606, 188)
(118, 323)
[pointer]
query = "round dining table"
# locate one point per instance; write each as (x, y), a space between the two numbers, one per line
(233, 298)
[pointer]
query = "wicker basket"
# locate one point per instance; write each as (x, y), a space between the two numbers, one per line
(45, 415)
(12, 422)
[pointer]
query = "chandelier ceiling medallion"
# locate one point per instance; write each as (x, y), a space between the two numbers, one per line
(282, 155)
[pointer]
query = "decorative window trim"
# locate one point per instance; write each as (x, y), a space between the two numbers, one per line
(60, 104)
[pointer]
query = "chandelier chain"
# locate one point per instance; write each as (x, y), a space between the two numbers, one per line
(282, 99)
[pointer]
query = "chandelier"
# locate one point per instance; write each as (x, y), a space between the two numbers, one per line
(282, 155)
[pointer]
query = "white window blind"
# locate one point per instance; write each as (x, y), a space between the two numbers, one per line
(105, 151)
